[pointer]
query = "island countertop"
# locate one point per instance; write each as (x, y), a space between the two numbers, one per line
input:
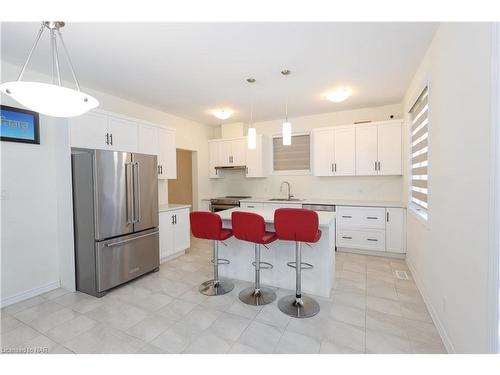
(325, 218)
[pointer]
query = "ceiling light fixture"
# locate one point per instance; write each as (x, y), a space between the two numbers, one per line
(339, 95)
(222, 114)
(45, 98)
(287, 126)
(252, 132)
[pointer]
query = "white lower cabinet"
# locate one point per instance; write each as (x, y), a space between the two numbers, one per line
(251, 205)
(174, 232)
(274, 206)
(371, 228)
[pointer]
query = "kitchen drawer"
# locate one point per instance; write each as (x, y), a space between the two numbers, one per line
(251, 205)
(361, 239)
(361, 217)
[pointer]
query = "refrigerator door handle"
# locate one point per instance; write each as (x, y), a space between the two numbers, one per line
(137, 193)
(130, 239)
(129, 192)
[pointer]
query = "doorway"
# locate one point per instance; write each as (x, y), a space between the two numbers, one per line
(180, 190)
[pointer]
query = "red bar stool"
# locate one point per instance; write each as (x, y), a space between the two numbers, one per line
(208, 225)
(251, 227)
(299, 225)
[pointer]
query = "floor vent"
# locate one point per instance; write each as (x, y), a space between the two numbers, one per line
(402, 275)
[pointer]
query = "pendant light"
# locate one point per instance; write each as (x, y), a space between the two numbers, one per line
(287, 126)
(252, 132)
(45, 98)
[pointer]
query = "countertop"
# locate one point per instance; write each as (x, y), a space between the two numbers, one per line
(336, 202)
(325, 218)
(171, 207)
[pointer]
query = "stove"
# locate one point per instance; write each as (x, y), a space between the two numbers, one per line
(225, 203)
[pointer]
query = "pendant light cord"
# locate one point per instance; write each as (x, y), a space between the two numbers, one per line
(40, 32)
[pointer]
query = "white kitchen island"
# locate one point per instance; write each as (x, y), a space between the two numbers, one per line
(317, 281)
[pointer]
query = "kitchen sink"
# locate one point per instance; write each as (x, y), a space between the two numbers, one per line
(285, 200)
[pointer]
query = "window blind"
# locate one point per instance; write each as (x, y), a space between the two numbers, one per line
(294, 157)
(419, 121)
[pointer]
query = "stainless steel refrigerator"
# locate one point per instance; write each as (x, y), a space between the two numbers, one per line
(115, 208)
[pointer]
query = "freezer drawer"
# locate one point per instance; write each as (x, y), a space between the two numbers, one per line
(125, 258)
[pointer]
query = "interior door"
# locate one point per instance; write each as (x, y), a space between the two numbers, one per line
(345, 152)
(323, 153)
(111, 195)
(366, 150)
(389, 149)
(145, 182)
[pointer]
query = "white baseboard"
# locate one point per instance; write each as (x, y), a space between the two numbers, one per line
(29, 293)
(437, 322)
(386, 254)
(172, 256)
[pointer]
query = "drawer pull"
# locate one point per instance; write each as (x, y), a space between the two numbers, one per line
(347, 217)
(347, 238)
(250, 206)
(372, 217)
(372, 239)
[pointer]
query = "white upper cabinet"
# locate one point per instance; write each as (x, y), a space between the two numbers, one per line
(224, 154)
(366, 150)
(213, 155)
(123, 134)
(238, 151)
(379, 149)
(148, 140)
(167, 158)
(323, 154)
(344, 151)
(89, 131)
(390, 149)
(100, 130)
(256, 158)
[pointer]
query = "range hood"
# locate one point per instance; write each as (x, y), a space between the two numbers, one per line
(233, 167)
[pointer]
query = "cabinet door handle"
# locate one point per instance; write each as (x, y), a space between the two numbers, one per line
(372, 239)
(387, 216)
(111, 139)
(161, 169)
(347, 216)
(173, 220)
(107, 138)
(246, 170)
(375, 165)
(347, 237)
(332, 167)
(372, 217)
(216, 171)
(158, 169)
(250, 206)
(335, 167)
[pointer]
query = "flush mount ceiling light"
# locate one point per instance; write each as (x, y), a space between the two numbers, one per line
(223, 114)
(339, 95)
(287, 126)
(45, 98)
(252, 132)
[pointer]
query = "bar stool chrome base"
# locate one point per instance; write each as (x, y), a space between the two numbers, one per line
(210, 288)
(290, 307)
(263, 296)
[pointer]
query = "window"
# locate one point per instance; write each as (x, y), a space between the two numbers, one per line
(419, 158)
(296, 157)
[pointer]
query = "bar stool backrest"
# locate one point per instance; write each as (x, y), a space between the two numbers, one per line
(248, 226)
(206, 225)
(296, 224)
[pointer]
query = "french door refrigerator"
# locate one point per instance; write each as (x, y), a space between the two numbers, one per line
(115, 209)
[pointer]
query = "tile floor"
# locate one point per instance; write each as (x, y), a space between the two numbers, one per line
(370, 311)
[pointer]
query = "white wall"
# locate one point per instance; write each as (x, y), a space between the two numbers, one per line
(372, 187)
(37, 229)
(449, 255)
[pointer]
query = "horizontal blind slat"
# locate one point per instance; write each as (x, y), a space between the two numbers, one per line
(420, 103)
(420, 158)
(419, 171)
(419, 183)
(419, 196)
(419, 133)
(420, 145)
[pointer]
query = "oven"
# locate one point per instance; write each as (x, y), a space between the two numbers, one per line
(225, 203)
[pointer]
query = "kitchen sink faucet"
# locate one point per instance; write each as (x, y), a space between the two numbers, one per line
(289, 192)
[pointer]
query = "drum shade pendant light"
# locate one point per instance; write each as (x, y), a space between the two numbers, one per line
(252, 132)
(45, 98)
(287, 126)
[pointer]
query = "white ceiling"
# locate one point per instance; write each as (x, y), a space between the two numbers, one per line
(188, 69)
